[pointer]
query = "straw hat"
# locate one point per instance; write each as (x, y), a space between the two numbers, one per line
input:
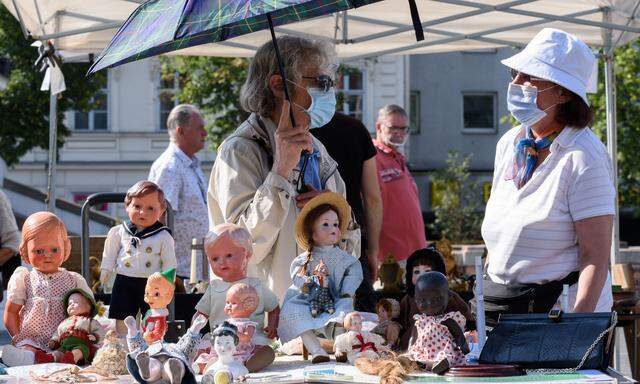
(331, 198)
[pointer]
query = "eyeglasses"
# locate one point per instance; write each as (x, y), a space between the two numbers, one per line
(524, 76)
(394, 129)
(324, 82)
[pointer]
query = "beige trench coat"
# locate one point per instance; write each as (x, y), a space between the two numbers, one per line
(243, 190)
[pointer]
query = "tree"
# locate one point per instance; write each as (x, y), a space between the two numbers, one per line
(627, 69)
(24, 109)
(213, 84)
(455, 201)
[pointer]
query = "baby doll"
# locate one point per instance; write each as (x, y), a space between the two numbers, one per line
(356, 343)
(111, 357)
(242, 301)
(78, 335)
(34, 307)
(419, 263)
(229, 248)
(163, 362)
(226, 369)
(158, 293)
(386, 327)
(437, 340)
(319, 229)
(135, 250)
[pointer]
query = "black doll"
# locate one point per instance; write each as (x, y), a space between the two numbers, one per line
(437, 340)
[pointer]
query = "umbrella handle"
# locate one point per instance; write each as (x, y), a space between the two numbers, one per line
(280, 67)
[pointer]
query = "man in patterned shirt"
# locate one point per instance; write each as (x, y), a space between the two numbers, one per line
(177, 171)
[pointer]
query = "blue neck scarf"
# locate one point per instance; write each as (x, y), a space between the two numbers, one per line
(526, 155)
(311, 169)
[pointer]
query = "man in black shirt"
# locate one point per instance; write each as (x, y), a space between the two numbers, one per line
(349, 144)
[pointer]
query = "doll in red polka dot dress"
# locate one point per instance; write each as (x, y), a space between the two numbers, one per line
(437, 340)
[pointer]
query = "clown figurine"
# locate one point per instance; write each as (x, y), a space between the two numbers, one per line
(158, 293)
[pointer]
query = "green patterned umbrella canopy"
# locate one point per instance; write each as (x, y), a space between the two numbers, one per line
(161, 26)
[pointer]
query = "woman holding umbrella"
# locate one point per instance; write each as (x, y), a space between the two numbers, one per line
(549, 219)
(269, 168)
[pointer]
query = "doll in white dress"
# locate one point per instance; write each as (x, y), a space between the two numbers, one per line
(226, 369)
(356, 343)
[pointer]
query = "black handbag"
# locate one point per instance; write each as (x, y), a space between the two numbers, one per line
(565, 341)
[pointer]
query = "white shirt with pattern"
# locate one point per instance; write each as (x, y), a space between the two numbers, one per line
(184, 186)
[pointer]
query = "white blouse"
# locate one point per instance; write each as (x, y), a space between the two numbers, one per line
(529, 232)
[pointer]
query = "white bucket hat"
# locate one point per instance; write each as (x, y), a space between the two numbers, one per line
(559, 57)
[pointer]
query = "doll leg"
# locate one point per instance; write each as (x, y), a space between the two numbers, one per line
(150, 369)
(261, 358)
(173, 371)
(313, 346)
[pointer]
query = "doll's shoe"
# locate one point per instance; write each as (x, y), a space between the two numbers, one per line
(14, 357)
(176, 368)
(218, 377)
(440, 367)
(142, 361)
(320, 357)
(67, 358)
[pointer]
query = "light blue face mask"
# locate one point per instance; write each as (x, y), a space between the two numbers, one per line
(521, 102)
(323, 105)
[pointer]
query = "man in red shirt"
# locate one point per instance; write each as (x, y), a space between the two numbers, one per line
(402, 225)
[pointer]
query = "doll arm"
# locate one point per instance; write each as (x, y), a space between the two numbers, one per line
(12, 317)
(457, 335)
(110, 254)
(273, 318)
(168, 252)
(16, 298)
(352, 279)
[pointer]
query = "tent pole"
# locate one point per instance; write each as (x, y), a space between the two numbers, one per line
(53, 149)
(610, 90)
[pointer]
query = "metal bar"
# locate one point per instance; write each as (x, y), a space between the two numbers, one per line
(345, 30)
(481, 10)
(25, 32)
(85, 17)
(53, 152)
(35, 4)
(237, 45)
(463, 37)
(612, 139)
(565, 18)
(291, 32)
(80, 31)
(631, 18)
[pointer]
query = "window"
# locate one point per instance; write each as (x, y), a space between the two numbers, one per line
(98, 118)
(479, 112)
(167, 90)
(350, 93)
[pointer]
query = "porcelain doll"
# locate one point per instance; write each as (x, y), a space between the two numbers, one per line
(319, 229)
(229, 249)
(356, 343)
(111, 357)
(163, 362)
(437, 340)
(226, 369)
(78, 336)
(387, 327)
(320, 299)
(135, 250)
(419, 263)
(158, 293)
(34, 307)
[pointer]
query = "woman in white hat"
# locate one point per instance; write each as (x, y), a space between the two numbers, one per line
(549, 219)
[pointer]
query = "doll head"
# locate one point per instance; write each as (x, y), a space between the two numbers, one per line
(322, 221)
(228, 248)
(158, 292)
(241, 301)
(385, 310)
(225, 339)
(432, 293)
(353, 321)
(144, 204)
(420, 262)
(79, 303)
(45, 244)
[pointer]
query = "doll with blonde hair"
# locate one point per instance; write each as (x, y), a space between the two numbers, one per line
(35, 305)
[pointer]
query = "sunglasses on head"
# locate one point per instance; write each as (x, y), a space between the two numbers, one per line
(324, 82)
(514, 73)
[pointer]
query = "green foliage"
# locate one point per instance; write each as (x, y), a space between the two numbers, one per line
(455, 201)
(627, 69)
(24, 109)
(213, 84)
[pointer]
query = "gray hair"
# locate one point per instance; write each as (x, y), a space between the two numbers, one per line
(180, 115)
(296, 52)
(390, 109)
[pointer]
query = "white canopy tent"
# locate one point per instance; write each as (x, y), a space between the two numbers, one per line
(80, 27)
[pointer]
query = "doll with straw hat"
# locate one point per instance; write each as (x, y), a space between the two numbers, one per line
(319, 229)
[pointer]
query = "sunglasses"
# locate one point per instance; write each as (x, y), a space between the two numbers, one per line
(324, 82)
(524, 76)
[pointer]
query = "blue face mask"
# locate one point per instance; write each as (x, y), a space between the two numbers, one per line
(521, 101)
(323, 105)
